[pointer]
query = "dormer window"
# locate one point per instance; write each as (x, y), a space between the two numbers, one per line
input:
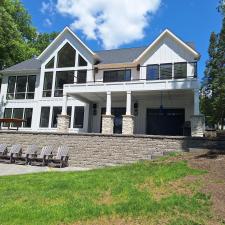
(66, 56)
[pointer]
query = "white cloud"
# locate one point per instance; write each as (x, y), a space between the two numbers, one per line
(113, 22)
(48, 7)
(47, 22)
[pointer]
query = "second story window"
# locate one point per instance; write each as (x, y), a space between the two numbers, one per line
(81, 76)
(152, 72)
(166, 71)
(21, 87)
(117, 76)
(62, 77)
(47, 88)
(180, 70)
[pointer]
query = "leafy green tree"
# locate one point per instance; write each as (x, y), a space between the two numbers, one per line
(42, 41)
(213, 88)
(19, 40)
(15, 32)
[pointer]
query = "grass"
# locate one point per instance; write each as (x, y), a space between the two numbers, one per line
(119, 195)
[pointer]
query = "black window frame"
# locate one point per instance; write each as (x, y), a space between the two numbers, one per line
(165, 77)
(148, 76)
(174, 70)
(114, 77)
(78, 122)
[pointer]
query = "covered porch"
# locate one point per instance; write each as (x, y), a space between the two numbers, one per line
(155, 112)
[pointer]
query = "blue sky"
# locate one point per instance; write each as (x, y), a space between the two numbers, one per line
(191, 20)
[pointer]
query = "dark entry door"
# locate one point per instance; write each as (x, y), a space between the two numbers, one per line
(118, 119)
(165, 121)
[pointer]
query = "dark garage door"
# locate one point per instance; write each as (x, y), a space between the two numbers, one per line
(165, 121)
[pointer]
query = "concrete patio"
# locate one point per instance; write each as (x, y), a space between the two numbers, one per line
(14, 169)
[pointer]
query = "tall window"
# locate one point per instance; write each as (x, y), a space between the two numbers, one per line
(19, 113)
(66, 56)
(44, 119)
(50, 64)
(78, 117)
(63, 77)
(166, 71)
(21, 87)
(152, 72)
(82, 61)
(58, 110)
(47, 89)
(180, 70)
(117, 75)
(81, 76)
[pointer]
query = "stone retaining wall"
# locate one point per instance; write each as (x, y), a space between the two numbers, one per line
(94, 150)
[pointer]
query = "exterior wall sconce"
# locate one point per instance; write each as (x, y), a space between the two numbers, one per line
(135, 108)
(94, 106)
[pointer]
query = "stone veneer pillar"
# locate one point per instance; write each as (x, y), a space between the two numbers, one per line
(197, 125)
(128, 124)
(63, 123)
(107, 124)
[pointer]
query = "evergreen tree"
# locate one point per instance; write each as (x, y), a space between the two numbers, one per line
(213, 89)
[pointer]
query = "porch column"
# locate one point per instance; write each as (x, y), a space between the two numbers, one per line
(63, 119)
(197, 120)
(108, 119)
(128, 119)
(196, 102)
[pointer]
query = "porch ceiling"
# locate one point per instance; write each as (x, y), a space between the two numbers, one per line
(121, 96)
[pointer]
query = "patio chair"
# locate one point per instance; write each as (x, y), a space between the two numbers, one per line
(30, 153)
(62, 156)
(15, 151)
(3, 150)
(43, 157)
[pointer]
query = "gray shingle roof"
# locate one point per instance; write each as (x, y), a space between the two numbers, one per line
(27, 65)
(124, 55)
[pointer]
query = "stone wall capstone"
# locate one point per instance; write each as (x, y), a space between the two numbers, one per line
(97, 150)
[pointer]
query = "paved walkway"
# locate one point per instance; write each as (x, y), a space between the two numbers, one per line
(13, 169)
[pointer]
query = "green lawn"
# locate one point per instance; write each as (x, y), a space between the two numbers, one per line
(142, 193)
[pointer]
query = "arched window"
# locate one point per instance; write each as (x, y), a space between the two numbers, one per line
(66, 56)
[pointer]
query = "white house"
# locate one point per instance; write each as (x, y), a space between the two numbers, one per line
(69, 88)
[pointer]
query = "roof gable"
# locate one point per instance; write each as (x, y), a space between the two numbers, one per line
(169, 34)
(66, 36)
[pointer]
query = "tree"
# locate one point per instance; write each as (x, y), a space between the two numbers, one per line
(42, 41)
(19, 40)
(15, 32)
(213, 88)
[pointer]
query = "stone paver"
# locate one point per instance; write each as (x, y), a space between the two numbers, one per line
(13, 169)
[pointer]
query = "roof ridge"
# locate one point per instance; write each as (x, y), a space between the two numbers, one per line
(117, 49)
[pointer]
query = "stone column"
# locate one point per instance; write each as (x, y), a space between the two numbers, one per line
(197, 125)
(108, 119)
(128, 119)
(63, 123)
(107, 124)
(63, 120)
(128, 124)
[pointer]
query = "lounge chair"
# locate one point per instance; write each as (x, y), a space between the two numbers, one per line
(30, 153)
(15, 151)
(61, 157)
(3, 150)
(45, 155)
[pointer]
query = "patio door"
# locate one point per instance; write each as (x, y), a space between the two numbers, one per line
(165, 122)
(118, 119)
